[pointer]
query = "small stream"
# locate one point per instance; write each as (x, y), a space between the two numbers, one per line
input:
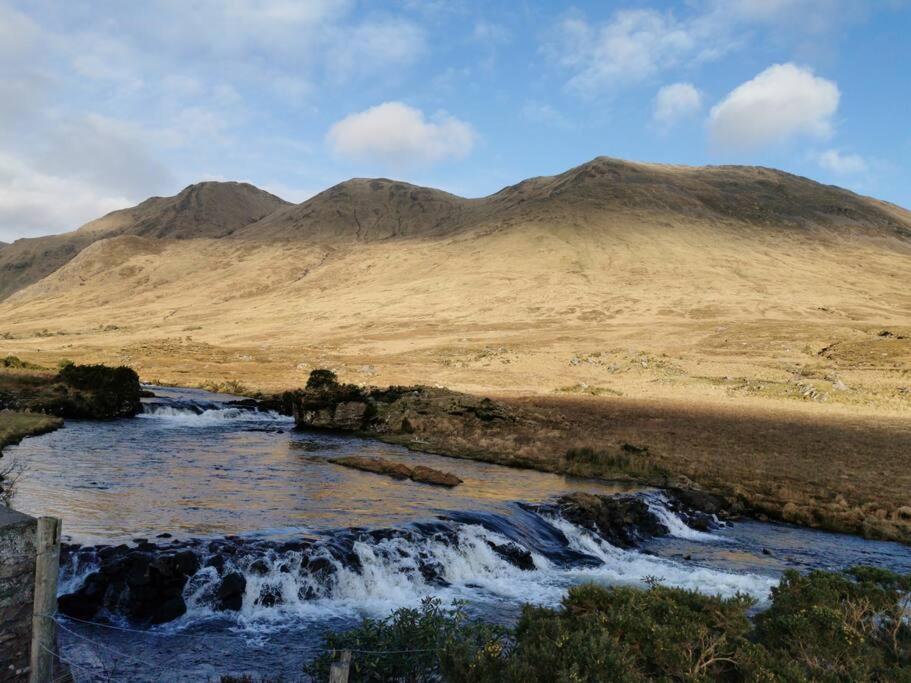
(320, 545)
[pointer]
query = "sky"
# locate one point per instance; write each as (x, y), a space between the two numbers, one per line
(105, 103)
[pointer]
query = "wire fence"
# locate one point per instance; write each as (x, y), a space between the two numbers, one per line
(164, 673)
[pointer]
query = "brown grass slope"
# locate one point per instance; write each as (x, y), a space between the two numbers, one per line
(209, 209)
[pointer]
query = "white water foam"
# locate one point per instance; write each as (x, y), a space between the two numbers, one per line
(658, 505)
(210, 416)
(387, 576)
(630, 567)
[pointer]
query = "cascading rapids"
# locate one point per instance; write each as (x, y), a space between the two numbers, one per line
(531, 556)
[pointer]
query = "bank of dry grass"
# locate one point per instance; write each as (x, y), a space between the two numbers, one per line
(16, 426)
(829, 472)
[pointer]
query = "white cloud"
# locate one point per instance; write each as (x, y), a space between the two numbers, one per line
(780, 103)
(635, 44)
(395, 134)
(842, 164)
(675, 102)
(35, 203)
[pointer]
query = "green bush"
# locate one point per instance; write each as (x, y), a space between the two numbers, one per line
(322, 379)
(103, 392)
(628, 634)
(839, 627)
(821, 626)
(417, 645)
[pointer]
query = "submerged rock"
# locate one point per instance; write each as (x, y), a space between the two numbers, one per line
(376, 465)
(428, 475)
(397, 470)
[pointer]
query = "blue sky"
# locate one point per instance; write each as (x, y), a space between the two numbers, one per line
(105, 103)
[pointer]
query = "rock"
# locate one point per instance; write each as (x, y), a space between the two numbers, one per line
(77, 606)
(85, 603)
(260, 567)
(376, 465)
(169, 611)
(350, 415)
(419, 473)
(515, 555)
(270, 596)
(144, 585)
(702, 501)
(327, 404)
(620, 520)
(230, 593)
(428, 475)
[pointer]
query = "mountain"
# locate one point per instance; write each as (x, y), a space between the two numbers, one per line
(364, 210)
(209, 209)
(713, 283)
(377, 209)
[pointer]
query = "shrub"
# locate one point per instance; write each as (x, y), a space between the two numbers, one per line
(417, 645)
(321, 379)
(821, 626)
(840, 627)
(628, 634)
(105, 392)
(16, 363)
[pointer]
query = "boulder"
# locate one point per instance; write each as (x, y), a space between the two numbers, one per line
(621, 520)
(169, 610)
(515, 555)
(230, 593)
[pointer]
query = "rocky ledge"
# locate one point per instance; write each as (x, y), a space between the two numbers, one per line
(327, 404)
(397, 470)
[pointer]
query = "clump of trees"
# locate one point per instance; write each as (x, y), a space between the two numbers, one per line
(821, 626)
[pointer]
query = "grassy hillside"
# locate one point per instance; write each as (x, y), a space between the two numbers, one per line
(717, 284)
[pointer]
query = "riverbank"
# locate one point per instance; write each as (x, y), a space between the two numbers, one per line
(838, 474)
(16, 426)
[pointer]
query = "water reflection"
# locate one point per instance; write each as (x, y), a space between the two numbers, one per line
(202, 475)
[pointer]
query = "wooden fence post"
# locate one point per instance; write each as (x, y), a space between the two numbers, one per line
(338, 671)
(44, 628)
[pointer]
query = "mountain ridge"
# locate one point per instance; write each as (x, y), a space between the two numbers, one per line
(595, 195)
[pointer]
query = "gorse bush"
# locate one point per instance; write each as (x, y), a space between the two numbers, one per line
(821, 626)
(417, 645)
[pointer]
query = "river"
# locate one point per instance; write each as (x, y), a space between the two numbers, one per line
(321, 545)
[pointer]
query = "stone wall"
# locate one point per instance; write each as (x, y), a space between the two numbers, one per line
(17, 585)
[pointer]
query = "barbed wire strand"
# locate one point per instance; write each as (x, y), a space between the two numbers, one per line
(64, 660)
(112, 650)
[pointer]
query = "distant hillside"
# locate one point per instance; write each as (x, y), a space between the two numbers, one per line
(210, 209)
(716, 283)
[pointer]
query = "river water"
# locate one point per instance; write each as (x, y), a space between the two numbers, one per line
(210, 476)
